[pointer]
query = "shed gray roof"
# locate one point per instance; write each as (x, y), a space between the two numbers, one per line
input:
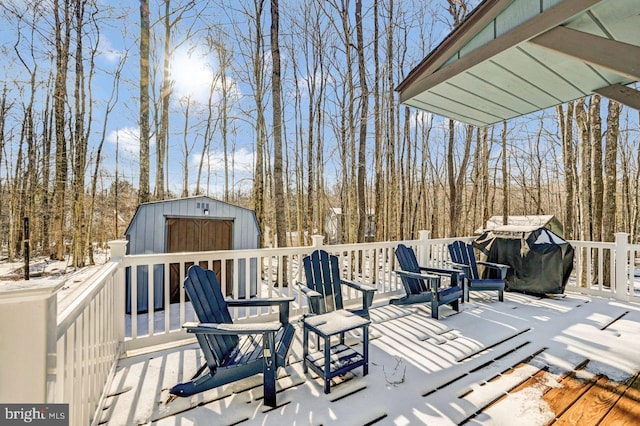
(202, 198)
(514, 57)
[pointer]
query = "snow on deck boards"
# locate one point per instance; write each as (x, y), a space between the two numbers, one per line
(489, 364)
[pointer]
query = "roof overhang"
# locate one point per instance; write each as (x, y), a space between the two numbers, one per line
(514, 57)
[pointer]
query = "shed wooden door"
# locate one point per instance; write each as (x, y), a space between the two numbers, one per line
(195, 234)
(186, 234)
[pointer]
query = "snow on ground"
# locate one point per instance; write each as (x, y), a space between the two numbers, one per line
(421, 371)
(43, 270)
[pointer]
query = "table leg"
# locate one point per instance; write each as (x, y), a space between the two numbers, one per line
(305, 347)
(327, 364)
(365, 349)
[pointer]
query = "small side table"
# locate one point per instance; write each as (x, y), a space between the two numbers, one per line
(338, 359)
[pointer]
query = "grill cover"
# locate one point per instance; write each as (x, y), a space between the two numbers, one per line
(541, 261)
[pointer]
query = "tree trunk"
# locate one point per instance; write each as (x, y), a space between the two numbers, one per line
(596, 164)
(378, 154)
(60, 103)
(276, 93)
(80, 141)
(257, 57)
(143, 187)
(585, 174)
(566, 132)
(392, 188)
(610, 172)
(610, 182)
(165, 94)
(505, 176)
(364, 111)
(187, 150)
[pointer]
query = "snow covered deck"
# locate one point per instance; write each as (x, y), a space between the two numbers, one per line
(492, 363)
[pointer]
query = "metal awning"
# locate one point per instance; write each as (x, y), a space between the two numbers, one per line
(514, 57)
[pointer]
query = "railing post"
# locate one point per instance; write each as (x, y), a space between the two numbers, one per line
(118, 248)
(621, 247)
(118, 251)
(28, 326)
(316, 241)
(423, 248)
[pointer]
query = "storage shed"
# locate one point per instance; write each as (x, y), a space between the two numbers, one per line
(333, 226)
(188, 225)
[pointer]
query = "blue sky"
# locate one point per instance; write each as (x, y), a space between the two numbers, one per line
(194, 70)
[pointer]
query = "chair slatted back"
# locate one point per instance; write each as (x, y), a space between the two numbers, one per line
(408, 262)
(323, 275)
(463, 254)
(203, 289)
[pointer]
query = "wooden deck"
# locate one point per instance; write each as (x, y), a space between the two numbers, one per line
(527, 361)
(583, 398)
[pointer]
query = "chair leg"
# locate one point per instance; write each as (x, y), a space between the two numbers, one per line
(434, 306)
(269, 370)
(456, 305)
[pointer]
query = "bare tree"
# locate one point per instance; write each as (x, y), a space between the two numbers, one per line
(364, 112)
(458, 10)
(80, 136)
(276, 93)
(610, 171)
(111, 104)
(565, 123)
(596, 167)
(187, 147)
(143, 187)
(582, 121)
(505, 176)
(62, 41)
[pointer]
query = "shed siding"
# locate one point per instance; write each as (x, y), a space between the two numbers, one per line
(147, 231)
(147, 235)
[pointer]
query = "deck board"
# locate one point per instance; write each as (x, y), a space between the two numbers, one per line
(528, 358)
(593, 405)
(627, 409)
(571, 388)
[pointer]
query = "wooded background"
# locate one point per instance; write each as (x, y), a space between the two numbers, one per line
(307, 88)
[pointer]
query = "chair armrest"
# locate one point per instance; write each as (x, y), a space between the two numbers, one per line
(307, 291)
(494, 265)
(453, 274)
(314, 298)
(432, 280)
(466, 269)
(231, 329)
(497, 266)
(358, 286)
(457, 265)
(259, 302)
(281, 302)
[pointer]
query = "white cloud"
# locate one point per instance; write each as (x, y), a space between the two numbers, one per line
(424, 118)
(128, 140)
(242, 159)
(108, 52)
(195, 73)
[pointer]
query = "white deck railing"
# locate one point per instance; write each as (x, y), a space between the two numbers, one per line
(263, 271)
(94, 330)
(89, 341)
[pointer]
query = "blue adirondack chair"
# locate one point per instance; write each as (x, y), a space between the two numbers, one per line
(323, 288)
(234, 351)
(423, 284)
(463, 257)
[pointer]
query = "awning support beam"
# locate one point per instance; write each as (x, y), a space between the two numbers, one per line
(615, 56)
(623, 94)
